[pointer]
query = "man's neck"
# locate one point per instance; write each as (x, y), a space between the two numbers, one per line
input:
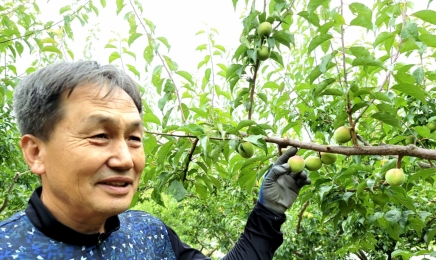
(78, 221)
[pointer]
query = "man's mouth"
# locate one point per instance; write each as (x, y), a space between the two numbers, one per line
(116, 184)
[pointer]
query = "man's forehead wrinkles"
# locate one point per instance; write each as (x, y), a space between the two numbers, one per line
(107, 119)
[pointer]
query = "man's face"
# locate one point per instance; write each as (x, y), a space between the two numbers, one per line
(94, 157)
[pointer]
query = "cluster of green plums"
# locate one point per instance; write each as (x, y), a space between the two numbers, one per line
(394, 177)
(264, 30)
(311, 163)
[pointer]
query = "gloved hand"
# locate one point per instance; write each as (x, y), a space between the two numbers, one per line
(280, 187)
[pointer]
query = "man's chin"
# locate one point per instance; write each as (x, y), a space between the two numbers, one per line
(114, 205)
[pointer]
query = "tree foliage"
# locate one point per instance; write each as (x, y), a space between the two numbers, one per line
(368, 66)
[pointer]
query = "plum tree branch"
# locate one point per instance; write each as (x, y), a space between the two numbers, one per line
(409, 150)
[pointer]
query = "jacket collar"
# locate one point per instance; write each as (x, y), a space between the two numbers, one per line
(43, 220)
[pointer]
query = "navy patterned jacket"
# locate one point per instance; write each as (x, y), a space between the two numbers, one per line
(36, 234)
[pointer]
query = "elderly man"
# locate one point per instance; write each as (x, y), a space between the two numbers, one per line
(82, 134)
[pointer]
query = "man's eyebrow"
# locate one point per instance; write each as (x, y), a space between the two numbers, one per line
(102, 119)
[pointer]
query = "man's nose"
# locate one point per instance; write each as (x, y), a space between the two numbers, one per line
(121, 158)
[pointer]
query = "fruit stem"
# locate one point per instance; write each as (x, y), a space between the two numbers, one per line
(400, 157)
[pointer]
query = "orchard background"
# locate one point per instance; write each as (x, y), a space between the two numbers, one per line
(368, 65)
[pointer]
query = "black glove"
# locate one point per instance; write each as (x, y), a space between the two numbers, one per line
(280, 187)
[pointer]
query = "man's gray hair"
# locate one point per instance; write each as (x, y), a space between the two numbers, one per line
(37, 98)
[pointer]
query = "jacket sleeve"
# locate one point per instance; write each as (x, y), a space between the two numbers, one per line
(260, 239)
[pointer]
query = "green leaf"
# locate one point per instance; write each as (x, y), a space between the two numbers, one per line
(409, 31)
(156, 78)
(258, 141)
(404, 254)
(110, 46)
(316, 72)
(323, 190)
(171, 64)
(359, 51)
(393, 216)
(422, 174)
(239, 51)
(148, 54)
(364, 15)
(426, 15)
(164, 151)
(204, 141)
(284, 37)
(428, 39)
(311, 18)
(157, 197)
(387, 118)
(430, 235)
(247, 178)
(134, 199)
(120, 5)
(103, 3)
(232, 71)
(64, 9)
(412, 90)
(133, 37)
(234, 4)
(277, 57)
(51, 49)
(322, 85)
(115, 55)
(245, 123)
(271, 85)
(193, 129)
(422, 130)
(151, 117)
(133, 69)
(177, 190)
(367, 60)
(313, 4)
(318, 40)
(164, 41)
(186, 75)
(382, 37)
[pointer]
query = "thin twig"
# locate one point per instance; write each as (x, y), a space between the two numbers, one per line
(185, 171)
(300, 216)
(253, 86)
(213, 75)
(45, 28)
(344, 67)
(14, 180)
(165, 65)
(388, 74)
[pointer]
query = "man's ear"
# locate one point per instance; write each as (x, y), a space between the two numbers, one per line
(33, 151)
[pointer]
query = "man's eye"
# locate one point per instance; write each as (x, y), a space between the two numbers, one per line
(135, 138)
(100, 136)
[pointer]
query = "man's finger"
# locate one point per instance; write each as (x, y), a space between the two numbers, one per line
(286, 155)
(303, 182)
(278, 170)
